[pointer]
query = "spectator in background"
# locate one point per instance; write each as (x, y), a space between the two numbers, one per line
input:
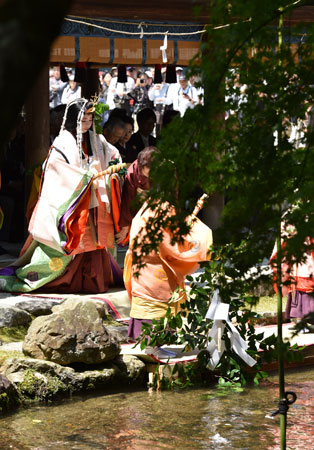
(71, 91)
(136, 181)
(118, 94)
(174, 87)
(158, 95)
(150, 77)
(146, 119)
(56, 86)
(179, 72)
(186, 97)
(195, 81)
(106, 78)
(132, 72)
(140, 94)
(114, 72)
(114, 130)
(121, 145)
(129, 127)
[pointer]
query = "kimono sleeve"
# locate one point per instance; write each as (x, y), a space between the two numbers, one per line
(184, 258)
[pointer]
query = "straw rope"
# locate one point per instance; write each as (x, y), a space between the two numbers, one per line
(199, 205)
(91, 22)
(111, 169)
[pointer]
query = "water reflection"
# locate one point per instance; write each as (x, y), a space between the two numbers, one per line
(199, 419)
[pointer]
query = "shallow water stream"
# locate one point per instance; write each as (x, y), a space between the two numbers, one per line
(198, 419)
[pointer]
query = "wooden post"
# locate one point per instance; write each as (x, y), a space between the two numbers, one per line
(91, 87)
(37, 125)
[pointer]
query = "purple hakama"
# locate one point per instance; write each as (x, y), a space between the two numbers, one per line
(135, 327)
(299, 304)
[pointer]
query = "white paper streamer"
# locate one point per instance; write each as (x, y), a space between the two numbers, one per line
(140, 26)
(218, 312)
(163, 49)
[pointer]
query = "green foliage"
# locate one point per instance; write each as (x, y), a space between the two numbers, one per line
(262, 94)
(306, 324)
(121, 172)
(183, 376)
(100, 108)
(257, 85)
(190, 328)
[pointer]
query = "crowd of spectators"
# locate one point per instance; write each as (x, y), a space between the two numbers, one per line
(138, 105)
(135, 92)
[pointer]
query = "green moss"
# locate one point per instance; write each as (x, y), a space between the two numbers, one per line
(90, 386)
(13, 334)
(42, 388)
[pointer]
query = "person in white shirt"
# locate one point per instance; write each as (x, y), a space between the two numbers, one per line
(71, 91)
(193, 80)
(117, 93)
(158, 95)
(186, 97)
(56, 86)
(174, 87)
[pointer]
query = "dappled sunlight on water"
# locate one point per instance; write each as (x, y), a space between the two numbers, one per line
(199, 419)
(300, 423)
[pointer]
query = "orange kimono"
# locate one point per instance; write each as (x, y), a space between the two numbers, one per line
(165, 269)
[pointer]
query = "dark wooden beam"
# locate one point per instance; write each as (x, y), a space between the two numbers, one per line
(160, 10)
(302, 14)
(166, 10)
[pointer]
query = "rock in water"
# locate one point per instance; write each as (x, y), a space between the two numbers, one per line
(9, 396)
(74, 333)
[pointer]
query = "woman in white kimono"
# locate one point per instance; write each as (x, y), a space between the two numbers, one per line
(68, 252)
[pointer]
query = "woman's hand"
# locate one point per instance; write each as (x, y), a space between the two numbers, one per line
(122, 234)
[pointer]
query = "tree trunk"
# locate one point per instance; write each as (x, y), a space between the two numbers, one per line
(27, 30)
(37, 125)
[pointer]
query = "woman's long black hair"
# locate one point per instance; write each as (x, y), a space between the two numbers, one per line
(73, 112)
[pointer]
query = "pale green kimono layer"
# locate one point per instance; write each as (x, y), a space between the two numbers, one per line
(45, 265)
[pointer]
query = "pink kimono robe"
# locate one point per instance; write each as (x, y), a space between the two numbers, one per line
(165, 270)
(298, 284)
(92, 269)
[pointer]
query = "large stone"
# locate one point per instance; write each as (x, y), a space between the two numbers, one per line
(38, 307)
(9, 396)
(43, 380)
(120, 332)
(75, 332)
(12, 316)
(131, 369)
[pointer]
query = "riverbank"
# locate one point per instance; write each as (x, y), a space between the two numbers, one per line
(200, 419)
(41, 369)
(72, 345)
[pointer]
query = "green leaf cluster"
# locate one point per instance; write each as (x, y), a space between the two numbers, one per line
(258, 83)
(100, 108)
